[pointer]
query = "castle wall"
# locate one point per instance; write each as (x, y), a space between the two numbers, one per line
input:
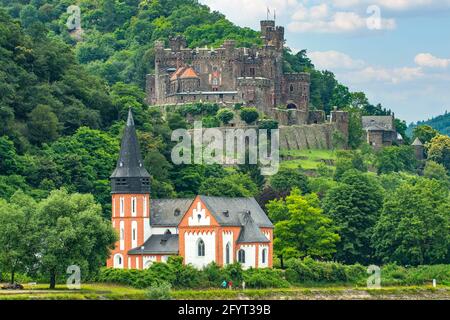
(317, 136)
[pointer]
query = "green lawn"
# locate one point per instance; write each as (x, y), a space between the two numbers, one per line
(307, 159)
(116, 292)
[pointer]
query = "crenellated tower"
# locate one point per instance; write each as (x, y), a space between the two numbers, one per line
(130, 185)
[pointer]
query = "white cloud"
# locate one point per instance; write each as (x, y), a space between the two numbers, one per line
(334, 60)
(430, 61)
(385, 75)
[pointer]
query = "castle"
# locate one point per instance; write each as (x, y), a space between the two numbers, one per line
(229, 75)
(202, 229)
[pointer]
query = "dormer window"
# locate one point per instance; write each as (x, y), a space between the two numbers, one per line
(120, 164)
(177, 212)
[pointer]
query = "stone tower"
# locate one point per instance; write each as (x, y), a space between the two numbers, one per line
(130, 186)
(419, 149)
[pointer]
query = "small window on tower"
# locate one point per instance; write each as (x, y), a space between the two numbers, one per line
(291, 88)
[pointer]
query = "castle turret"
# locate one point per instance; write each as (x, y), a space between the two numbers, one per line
(130, 184)
(419, 149)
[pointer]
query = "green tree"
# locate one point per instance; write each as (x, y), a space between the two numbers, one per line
(439, 150)
(18, 234)
(8, 156)
(434, 170)
(285, 180)
(425, 133)
(354, 205)
(301, 228)
(234, 185)
(225, 115)
(42, 125)
(249, 115)
(73, 232)
(396, 159)
(414, 225)
(348, 160)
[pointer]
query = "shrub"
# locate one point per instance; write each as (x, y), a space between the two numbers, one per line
(159, 292)
(268, 124)
(225, 115)
(249, 115)
(265, 278)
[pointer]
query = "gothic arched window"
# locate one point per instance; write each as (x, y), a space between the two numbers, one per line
(241, 256)
(263, 258)
(201, 248)
(227, 253)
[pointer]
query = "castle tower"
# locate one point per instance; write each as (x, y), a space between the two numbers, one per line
(130, 186)
(419, 149)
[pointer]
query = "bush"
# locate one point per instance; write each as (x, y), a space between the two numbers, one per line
(159, 292)
(265, 278)
(249, 115)
(309, 270)
(225, 115)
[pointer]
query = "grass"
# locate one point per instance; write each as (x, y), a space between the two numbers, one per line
(307, 159)
(96, 291)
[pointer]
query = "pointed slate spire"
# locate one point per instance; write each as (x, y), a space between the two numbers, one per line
(130, 176)
(417, 142)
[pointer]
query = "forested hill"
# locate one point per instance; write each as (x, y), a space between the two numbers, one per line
(63, 102)
(440, 123)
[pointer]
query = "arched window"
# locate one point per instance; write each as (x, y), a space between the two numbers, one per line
(263, 257)
(201, 248)
(118, 261)
(227, 253)
(241, 256)
(291, 88)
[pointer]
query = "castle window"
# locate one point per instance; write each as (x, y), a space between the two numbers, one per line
(291, 88)
(227, 253)
(201, 248)
(252, 72)
(241, 256)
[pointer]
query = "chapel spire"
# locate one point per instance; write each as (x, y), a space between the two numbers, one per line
(130, 176)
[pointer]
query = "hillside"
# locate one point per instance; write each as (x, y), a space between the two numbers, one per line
(63, 102)
(440, 123)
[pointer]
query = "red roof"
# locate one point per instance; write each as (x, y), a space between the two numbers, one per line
(184, 73)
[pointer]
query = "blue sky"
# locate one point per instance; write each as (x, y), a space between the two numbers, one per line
(396, 51)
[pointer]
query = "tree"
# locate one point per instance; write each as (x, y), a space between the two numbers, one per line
(354, 205)
(18, 234)
(287, 179)
(73, 232)
(396, 159)
(225, 115)
(355, 130)
(42, 125)
(249, 115)
(414, 225)
(301, 228)
(439, 150)
(425, 133)
(234, 185)
(348, 160)
(436, 171)
(8, 156)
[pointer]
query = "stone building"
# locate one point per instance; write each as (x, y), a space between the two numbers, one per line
(201, 229)
(380, 131)
(229, 75)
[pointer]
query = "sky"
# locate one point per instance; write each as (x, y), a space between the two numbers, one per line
(396, 51)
